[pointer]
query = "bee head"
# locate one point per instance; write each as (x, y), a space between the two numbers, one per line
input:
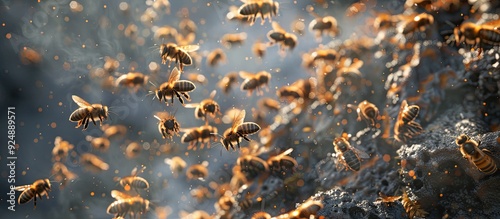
(462, 139)
(105, 111)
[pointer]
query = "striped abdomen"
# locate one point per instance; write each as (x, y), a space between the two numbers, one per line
(351, 160)
(483, 162)
(184, 86)
(489, 36)
(135, 182)
(410, 113)
(26, 196)
(192, 135)
(248, 128)
(249, 9)
(79, 114)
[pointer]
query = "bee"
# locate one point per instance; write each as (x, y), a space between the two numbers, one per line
(261, 215)
(100, 144)
(269, 103)
(165, 33)
(412, 208)
(226, 83)
(347, 155)
(478, 34)
(93, 163)
(282, 162)
(167, 125)
(259, 8)
(133, 150)
(87, 112)
(61, 149)
(126, 204)
(205, 107)
(307, 209)
(175, 86)
(197, 171)
(239, 129)
(251, 165)
(301, 89)
(201, 134)
(225, 205)
(280, 36)
(234, 15)
(405, 126)
(385, 21)
(162, 4)
(254, 81)
(470, 150)
(201, 193)
(187, 26)
(133, 181)
(355, 9)
(413, 23)
(325, 55)
(232, 39)
(197, 78)
(321, 25)
(180, 54)
(215, 57)
(259, 49)
(132, 79)
(111, 131)
(62, 174)
(367, 111)
(177, 165)
(38, 188)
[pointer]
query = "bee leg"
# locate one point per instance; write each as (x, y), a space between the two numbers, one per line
(86, 123)
(93, 120)
(246, 138)
(179, 97)
(238, 142)
(186, 95)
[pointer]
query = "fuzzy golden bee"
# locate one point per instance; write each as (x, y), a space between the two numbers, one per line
(133, 181)
(207, 107)
(478, 35)
(323, 25)
(93, 163)
(414, 23)
(216, 57)
(234, 15)
(127, 205)
(279, 36)
(132, 79)
(133, 150)
(197, 171)
(412, 208)
(238, 130)
(251, 165)
(259, 8)
(165, 33)
(176, 87)
(61, 149)
(233, 39)
(366, 111)
(254, 81)
(405, 126)
(101, 143)
(112, 131)
(202, 134)
(470, 150)
(259, 49)
(167, 125)
(177, 165)
(267, 103)
(347, 155)
(227, 82)
(87, 112)
(282, 162)
(179, 54)
(38, 188)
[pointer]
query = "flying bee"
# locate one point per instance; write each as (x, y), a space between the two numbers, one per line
(62, 174)
(61, 149)
(132, 79)
(259, 8)
(205, 107)
(100, 143)
(87, 112)
(478, 34)
(197, 171)
(405, 126)
(282, 162)
(38, 188)
(323, 25)
(279, 36)
(125, 204)
(197, 78)
(325, 55)
(111, 131)
(418, 22)
(269, 104)
(254, 81)
(348, 156)
(177, 165)
(259, 49)
(470, 150)
(167, 125)
(175, 86)
(300, 89)
(165, 33)
(232, 39)
(200, 194)
(93, 163)
(133, 150)
(133, 181)
(234, 15)
(226, 83)
(238, 130)
(202, 134)
(251, 165)
(215, 57)
(367, 111)
(355, 9)
(180, 54)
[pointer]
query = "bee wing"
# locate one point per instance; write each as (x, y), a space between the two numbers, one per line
(119, 195)
(191, 105)
(360, 153)
(81, 102)
(277, 27)
(246, 75)
(493, 23)
(190, 48)
(161, 115)
(212, 94)
(287, 152)
(238, 120)
(22, 188)
(175, 75)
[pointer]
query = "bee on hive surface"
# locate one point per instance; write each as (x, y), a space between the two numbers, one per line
(174, 86)
(238, 130)
(282, 162)
(167, 125)
(38, 188)
(412, 208)
(259, 8)
(348, 156)
(478, 35)
(367, 111)
(87, 112)
(179, 54)
(413, 23)
(405, 126)
(470, 150)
